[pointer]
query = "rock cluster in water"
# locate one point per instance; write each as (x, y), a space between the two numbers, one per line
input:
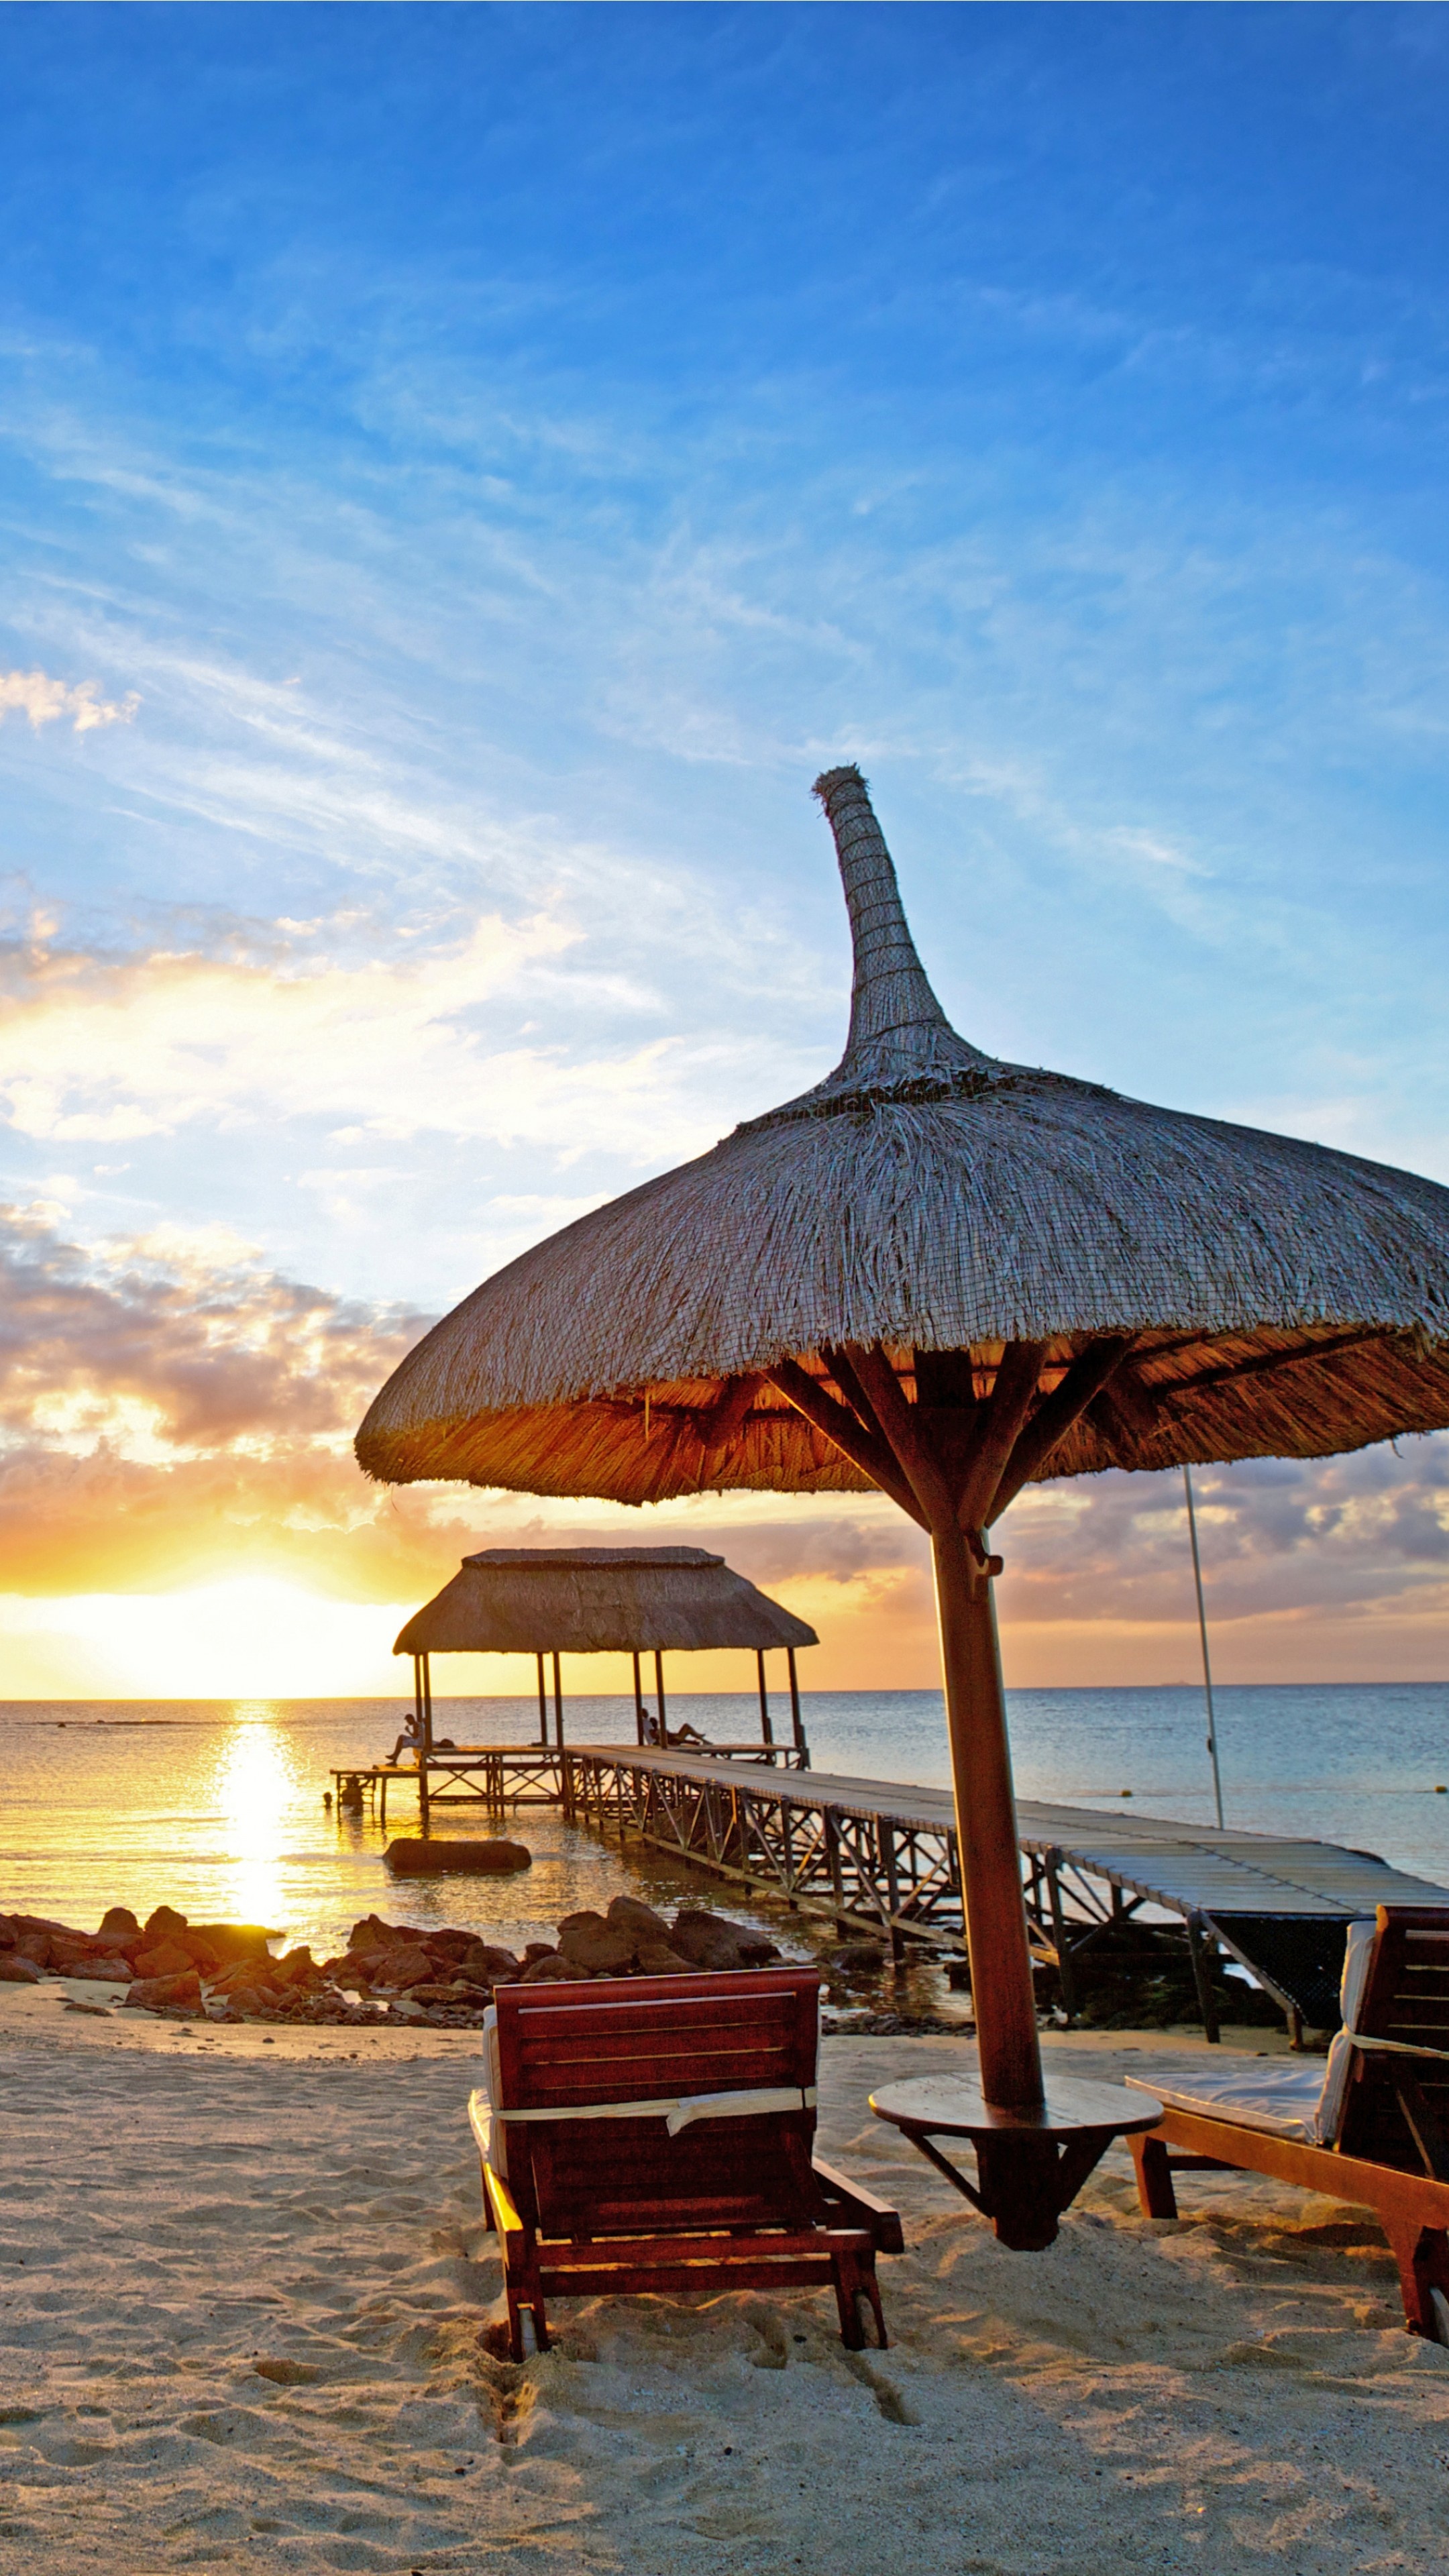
(227, 1971)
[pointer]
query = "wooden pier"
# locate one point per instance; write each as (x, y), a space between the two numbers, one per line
(879, 1857)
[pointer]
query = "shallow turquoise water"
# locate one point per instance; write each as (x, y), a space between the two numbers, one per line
(217, 1806)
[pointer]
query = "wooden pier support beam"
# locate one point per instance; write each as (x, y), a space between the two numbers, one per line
(1200, 1953)
(831, 1827)
(886, 1836)
(1066, 1967)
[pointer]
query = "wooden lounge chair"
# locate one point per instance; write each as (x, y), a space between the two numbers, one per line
(655, 2133)
(1372, 2128)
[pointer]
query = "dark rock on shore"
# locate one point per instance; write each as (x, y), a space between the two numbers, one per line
(423, 1858)
(164, 1959)
(444, 1977)
(185, 1989)
(709, 1941)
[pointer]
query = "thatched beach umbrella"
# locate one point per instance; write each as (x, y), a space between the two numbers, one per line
(947, 1277)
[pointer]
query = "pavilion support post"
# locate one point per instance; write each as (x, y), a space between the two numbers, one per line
(638, 1699)
(542, 1703)
(796, 1719)
(557, 1703)
(663, 1737)
(767, 1732)
(425, 1736)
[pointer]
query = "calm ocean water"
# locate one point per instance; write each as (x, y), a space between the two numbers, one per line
(217, 1806)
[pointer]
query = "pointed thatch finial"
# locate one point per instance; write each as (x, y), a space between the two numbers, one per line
(901, 1044)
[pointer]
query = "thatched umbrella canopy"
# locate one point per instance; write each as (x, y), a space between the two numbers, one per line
(944, 1276)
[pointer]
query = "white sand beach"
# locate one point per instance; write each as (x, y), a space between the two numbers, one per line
(245, 2288)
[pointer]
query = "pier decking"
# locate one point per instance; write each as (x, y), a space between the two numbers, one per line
(879, 1857)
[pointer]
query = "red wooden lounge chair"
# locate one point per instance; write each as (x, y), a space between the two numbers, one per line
(655, 2133)
(1372, 2128)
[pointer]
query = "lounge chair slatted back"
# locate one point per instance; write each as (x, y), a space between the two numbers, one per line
(1406, 2001)
(731, 2034)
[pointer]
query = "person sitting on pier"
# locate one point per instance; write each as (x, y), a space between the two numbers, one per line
(411, 1738)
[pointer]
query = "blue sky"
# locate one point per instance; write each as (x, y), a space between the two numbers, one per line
(463, 471)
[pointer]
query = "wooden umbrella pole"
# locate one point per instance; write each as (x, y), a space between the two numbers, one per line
(955, 1494)
(1001, 1984)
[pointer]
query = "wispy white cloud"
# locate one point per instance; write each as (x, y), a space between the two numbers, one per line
(101, 1048)
(46, 701)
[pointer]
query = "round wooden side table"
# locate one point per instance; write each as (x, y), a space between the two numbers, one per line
(1030, 2164)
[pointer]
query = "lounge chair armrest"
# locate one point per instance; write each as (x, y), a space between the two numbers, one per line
(506, 2218)
(883, 2222)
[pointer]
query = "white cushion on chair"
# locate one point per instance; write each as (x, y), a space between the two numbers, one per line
(1283, 2100)
(1299, 2102)
(1358, 1952)
(491, 2134)
(1357, 1957)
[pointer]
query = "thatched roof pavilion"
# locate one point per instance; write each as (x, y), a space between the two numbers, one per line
(945, 1276)
(603, 1601)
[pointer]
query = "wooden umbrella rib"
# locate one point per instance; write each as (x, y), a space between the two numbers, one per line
(1006, 1413)
(720, 1427)
(853, 1394)
(914, 1451)
(840, 1426)
(1173, 1391)
(1087, 1377)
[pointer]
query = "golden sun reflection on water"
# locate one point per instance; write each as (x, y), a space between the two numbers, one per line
(255, 1787)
